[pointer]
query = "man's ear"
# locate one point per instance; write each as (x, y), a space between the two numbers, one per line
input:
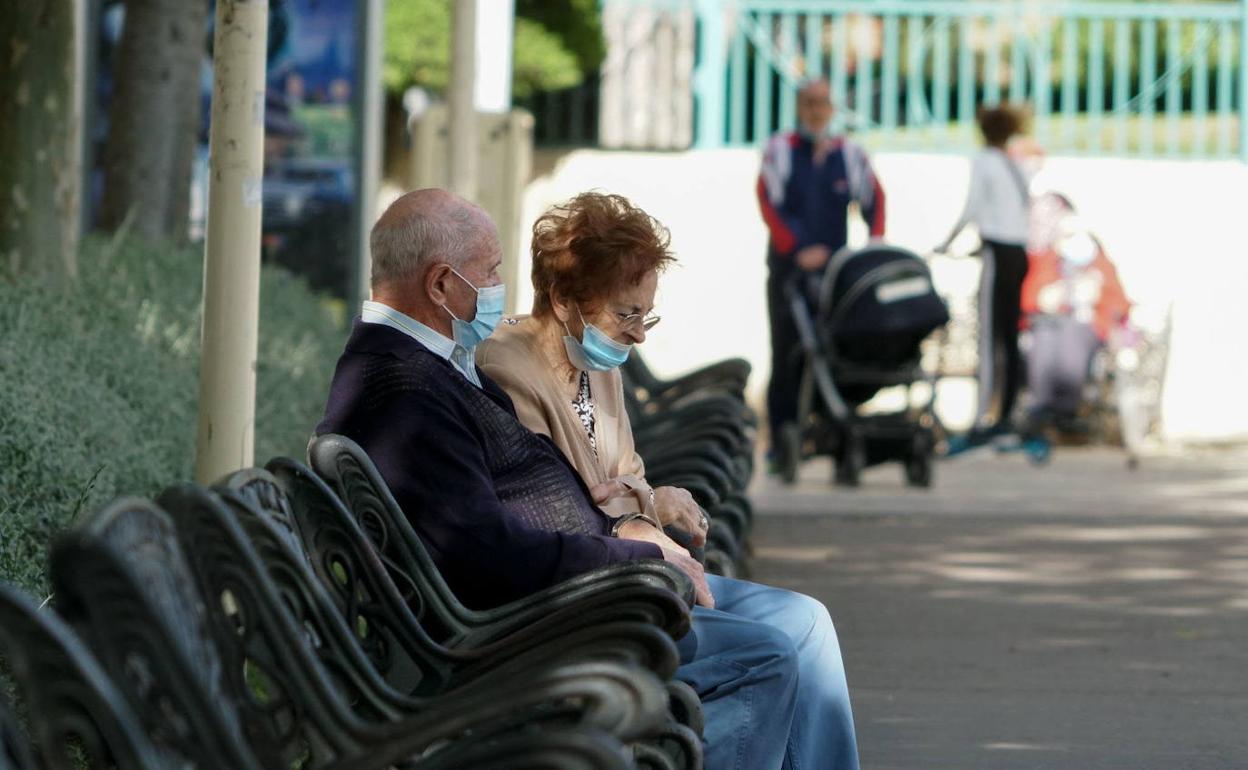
(437, 284)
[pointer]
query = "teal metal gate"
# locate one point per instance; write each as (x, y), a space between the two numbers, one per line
(1146, 79)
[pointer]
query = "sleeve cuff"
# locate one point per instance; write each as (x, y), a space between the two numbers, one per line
(627, 517)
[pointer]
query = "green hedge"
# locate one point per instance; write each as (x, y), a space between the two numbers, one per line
(98, 386)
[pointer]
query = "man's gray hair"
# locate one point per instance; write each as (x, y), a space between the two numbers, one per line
(808, 83)
(404, 246)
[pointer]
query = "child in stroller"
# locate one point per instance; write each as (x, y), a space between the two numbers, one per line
(860, 326)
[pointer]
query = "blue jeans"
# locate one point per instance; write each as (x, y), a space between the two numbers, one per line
(767, 664)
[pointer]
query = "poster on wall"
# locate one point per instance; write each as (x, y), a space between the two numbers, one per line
(311, 143)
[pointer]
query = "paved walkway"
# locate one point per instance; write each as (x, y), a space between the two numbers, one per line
(1076, 616)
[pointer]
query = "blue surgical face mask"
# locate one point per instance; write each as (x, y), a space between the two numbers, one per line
(596, 352)
(469, 334)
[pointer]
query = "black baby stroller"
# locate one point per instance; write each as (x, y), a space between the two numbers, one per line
(871, 310)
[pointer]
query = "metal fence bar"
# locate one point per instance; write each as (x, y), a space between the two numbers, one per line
(1018, 62)
(1148, 86)
(1174, 85)
(940, 70)
(1096, 81)
(1122, 71)
(1224, 88)
(916, 108)
(814, 45)
(1070, 85)
(1042, 79)
(711, 74)
(840, 60)
(1200, 96)
(888, 110)
(992, 62)
(1243, 81)
(966, 71)
(762, 85)
(863, 81)
(737, 87)
(788, 94)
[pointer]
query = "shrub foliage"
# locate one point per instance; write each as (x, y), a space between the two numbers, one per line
(99, 385)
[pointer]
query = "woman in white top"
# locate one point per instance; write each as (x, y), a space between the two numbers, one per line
(998, 203)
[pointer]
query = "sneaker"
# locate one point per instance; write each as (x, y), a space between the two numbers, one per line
(974, 438)
(964, 442)
(1038, 448)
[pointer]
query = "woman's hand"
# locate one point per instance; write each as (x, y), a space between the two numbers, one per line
(677, 508)
(608, 490)
(640, 529)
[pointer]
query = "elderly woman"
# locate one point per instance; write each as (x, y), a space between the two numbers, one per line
(560, 365)
(596, 265)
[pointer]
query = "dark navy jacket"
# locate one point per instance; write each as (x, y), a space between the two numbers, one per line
(500, 509)
(806, 203)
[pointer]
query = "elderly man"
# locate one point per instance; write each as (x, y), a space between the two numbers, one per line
(807, 181)
(504, 514)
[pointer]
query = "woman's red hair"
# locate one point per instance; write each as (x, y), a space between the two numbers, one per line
(587, 247)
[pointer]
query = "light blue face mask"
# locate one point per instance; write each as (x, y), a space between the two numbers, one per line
(469, 334)
(598, 352)
(1078, 249)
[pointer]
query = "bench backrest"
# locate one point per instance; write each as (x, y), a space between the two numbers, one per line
(350, 473)
(358, 583)
(123, 584)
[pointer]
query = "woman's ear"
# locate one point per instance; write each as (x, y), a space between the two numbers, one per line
(561, 307)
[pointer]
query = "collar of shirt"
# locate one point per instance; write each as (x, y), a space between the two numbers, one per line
(461, 358)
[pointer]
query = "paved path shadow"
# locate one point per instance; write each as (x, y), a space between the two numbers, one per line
(1075, 616)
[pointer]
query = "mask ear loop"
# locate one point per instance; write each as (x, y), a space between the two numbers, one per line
(470, 286)
(465, 280)
(578, 314)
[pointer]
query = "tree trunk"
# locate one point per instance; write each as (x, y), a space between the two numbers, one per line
(40, 138)
(154, 117)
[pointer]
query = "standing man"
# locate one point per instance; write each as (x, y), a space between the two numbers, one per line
(806, 184)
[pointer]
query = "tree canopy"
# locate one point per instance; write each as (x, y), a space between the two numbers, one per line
(556, 43)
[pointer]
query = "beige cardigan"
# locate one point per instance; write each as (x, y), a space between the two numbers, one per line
(512, 357)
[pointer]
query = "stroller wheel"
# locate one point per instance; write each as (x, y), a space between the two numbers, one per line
(851, 460)
(790, 448)
(919, 471)
(918, 464)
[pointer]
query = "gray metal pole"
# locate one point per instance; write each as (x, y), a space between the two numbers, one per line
(463, 118)
(371, 139)
(227, 374)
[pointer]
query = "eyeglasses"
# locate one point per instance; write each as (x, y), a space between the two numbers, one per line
(634, 321)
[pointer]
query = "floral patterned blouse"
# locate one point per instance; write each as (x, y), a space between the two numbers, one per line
(583, 404)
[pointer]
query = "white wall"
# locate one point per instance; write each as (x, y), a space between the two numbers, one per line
(1176, 229)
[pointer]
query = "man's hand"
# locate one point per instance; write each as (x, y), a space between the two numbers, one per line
(639, 529)
(677, 508)
(813, 257)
